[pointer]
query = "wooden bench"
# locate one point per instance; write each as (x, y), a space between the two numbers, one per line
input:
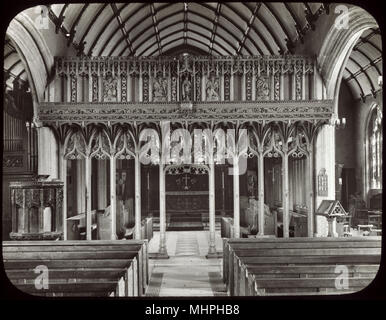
(79, 268)
(263, 266)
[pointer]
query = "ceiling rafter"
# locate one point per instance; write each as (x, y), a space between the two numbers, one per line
(186, 8)
(175, 32)
(360, 71)
(215, 23)
(270, 31)
(58, 22)
(189, 38)
(190, 22)
(367, 58)
(250, 22)
(14, 65)
(178, 31)
(357, 82)
(60, 19)
(298, 27)
(229, 20)
(290, 44)
(112, 18)
(73, 30)
(262, 38)
(122, 27)
(155, 26)
(231, 45)
(89, 26)
(364, 68)
(143, 19)
(10, 53)
(310, 17)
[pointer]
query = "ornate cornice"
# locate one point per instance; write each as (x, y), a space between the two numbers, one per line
(51, 113)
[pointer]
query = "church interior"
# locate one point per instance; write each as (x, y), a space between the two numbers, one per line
(241, 139)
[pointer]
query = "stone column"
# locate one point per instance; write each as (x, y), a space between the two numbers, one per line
(113, 199)
(236, 199)
(260, 168)
(285, 196)
(137, 174)
(324, 159)
(88, 199)
(212, 212)
(162, 214)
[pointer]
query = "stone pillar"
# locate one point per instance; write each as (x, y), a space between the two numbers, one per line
(63, 177)
(260, 168)
(80, 186)
(236, 199)
(162, 214)
(137, 174)
(212, 212)
(285, 196)
(88, 199)
(324, 159)
(47, 153)
(113, 199)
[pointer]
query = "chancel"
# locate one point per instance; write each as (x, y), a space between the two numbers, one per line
(192, 149)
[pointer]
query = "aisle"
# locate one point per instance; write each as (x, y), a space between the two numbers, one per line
(187, 272)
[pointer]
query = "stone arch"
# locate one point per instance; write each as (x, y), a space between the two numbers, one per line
(34, 53)
(337, 47)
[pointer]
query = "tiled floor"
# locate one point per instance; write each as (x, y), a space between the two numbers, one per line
(187, 272)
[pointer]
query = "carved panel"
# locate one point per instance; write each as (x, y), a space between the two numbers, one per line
(12, 161)
(227, 85)
(186, 88)
(248, 86)
(145, 88)
(124, 88)
(73, 82)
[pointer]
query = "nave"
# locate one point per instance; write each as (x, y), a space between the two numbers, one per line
(187, 272)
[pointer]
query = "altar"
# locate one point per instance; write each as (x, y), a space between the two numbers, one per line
(187, 200)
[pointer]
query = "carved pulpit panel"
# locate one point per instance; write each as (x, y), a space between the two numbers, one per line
(36, 210)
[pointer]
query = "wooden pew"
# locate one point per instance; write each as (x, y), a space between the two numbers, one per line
(244, 257)
(79, 268)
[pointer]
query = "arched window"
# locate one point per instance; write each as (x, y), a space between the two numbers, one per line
(374, 136)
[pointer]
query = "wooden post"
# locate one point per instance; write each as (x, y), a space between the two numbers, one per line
(212, 216)
(63, 177)
(162, 213)
(260, 168)
(236, 198)
(113, 200)
(102, 182)
(88, 199)
(137, 173)
(285, 196)
(310, 188)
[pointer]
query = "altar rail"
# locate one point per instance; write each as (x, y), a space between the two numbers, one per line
(183, 78)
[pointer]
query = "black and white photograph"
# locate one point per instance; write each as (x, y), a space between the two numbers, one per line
(192, 150)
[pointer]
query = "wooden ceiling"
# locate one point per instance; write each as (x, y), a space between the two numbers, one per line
(151, 29)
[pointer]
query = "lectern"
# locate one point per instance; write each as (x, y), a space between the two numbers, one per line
(36, 210)
(331, 209)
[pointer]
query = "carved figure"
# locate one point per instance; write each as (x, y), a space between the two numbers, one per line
(212, 88)
(110, 89)
(262, 89)
(160, 88)
(186, 89)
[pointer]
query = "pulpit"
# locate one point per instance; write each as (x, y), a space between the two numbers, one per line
(36, 210)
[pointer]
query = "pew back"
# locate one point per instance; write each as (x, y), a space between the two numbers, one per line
(297, 264)
(78, 268)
